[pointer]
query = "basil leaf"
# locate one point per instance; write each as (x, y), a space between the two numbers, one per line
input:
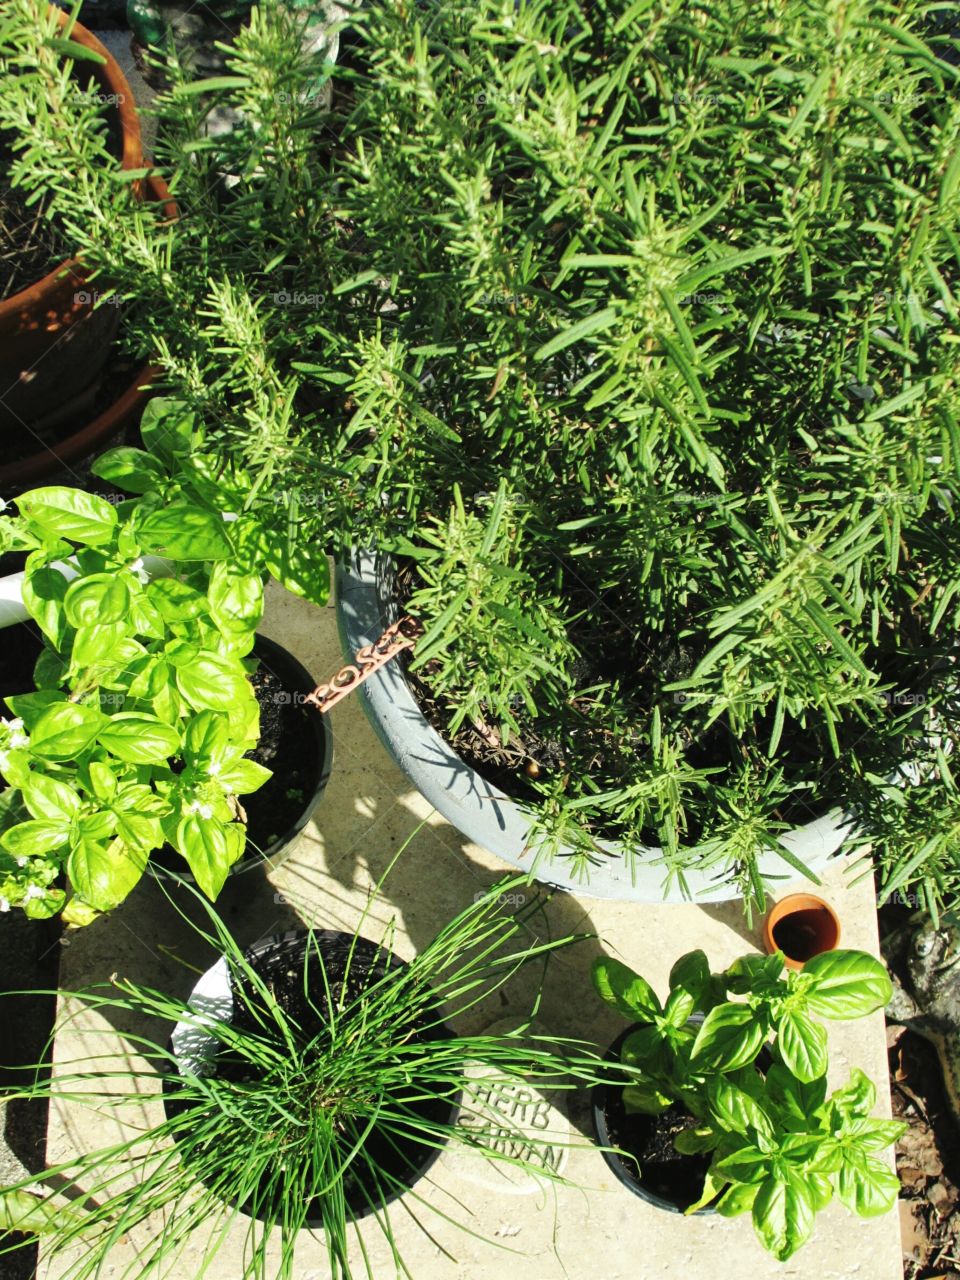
(70, 513)
(783, 1214)
(803, 1045)
(65, 730)
(846, 984)
(730, 1037)
(139, 739)
(184, 531)
(617, 985)
(132, 470)
(104, 874)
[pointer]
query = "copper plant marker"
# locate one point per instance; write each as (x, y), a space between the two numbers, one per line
(403, 634)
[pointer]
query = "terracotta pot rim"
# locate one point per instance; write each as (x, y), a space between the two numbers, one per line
(785, 906)
(131, 158)
(36, 465)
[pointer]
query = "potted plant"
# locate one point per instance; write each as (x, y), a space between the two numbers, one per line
(662, 438)
(54, 340)
(723, 1102)
(343, 1061)
(140, 727)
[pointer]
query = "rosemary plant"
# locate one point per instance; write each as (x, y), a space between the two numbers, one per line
(311, 1110)
(632, 327)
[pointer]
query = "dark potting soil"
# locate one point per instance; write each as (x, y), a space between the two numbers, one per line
(288, 746)
(538, 748)
(663, 1171)
(280, 964)
(30, 245)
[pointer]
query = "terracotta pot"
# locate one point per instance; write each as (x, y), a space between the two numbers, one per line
(92, 431)
(801, 926)
(52, 342)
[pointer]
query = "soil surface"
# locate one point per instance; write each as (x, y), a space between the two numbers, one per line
(30, 245)
(288, 745)
(280, 964)
(538, 749)
(928, 1160)
(664, 1172)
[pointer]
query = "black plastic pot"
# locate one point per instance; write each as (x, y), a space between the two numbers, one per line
(606, 1109)
(280, 961)
(297, 683)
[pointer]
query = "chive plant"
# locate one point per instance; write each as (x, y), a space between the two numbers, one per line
(631, 326)
(310, 1103)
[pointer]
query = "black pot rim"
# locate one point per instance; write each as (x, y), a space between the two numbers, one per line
(298, 678)
(598, 1099)
(295, 940)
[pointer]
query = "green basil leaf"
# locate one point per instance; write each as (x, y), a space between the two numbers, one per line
(645, 1099)
(691, 973)
(167, 428)
(846, 984)
(48, 798)
(174, 600)
(211, 682)
(303, 570)
(617, 985)
(857, 1097)
(690, 1142)
(797, 1100)
(183, 531)
(43, 592)
(871, 1134)
(100, 598)
(65, 730)
(36, 838)
(139, 831)
(205, 845)
(803, 1045)
(680, 1004)
(45, 907)
(139, 739)
(236, 599)
(733, 1109)
(712, 1186)
(737, 1199)
(244, 777)
(132, 470)
(783, 1214)
(104, 875)
(644, 1048)
(31, 706)
(731, 1036)
(96, 645)
(206, 738)
(103, 780)
(868, 1188)
(70, 513)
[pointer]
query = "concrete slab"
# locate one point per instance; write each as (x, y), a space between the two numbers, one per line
(594, 1227)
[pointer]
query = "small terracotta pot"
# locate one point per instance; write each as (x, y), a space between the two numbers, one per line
(92, 432)
(801, 926)
(52, 342)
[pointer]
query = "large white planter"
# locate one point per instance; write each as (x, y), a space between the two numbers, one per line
(489, 817)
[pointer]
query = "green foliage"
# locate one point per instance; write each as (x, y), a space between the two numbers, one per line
(679, 289)
(283, 1126)
(137, 730)
(781, 1147)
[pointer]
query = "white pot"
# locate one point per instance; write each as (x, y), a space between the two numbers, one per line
(495, 821)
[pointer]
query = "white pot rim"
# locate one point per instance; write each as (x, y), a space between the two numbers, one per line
(494, 820)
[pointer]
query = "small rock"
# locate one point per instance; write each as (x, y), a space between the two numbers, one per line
(942, 1198)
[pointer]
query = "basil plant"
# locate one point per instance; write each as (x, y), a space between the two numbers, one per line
(782, 1148)
(136, 732)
